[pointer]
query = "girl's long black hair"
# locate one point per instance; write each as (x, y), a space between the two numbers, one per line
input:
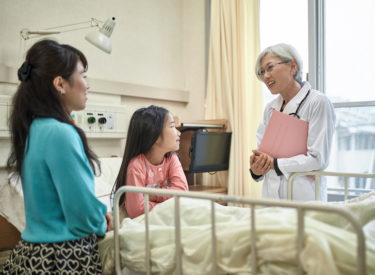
(145, 126)
(37, 97)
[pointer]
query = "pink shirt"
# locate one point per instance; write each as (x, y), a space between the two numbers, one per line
(141, 173)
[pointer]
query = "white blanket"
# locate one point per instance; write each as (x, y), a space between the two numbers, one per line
(328, 249)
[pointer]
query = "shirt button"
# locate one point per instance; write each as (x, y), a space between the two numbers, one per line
(159, 169)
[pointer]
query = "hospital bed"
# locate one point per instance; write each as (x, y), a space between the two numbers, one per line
(319, 174)
(306, 215)
(362, 242)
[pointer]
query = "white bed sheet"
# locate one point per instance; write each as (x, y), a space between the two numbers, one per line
(329, 249)
(11, 202)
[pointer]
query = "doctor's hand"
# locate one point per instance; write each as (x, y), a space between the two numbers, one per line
(260, 163)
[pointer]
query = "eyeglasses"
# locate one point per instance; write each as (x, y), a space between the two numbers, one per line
(269, 68)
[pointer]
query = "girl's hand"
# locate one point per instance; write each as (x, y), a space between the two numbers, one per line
(260, 163)
(152, 198)
(108, 217)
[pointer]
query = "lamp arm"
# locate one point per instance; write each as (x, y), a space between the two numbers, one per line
(95, 22)
(27, 34)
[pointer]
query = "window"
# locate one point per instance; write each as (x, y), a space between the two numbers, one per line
(279, 23)
(349, 59)
(350, 53)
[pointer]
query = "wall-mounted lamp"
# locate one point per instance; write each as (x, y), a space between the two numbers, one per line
(99, 38)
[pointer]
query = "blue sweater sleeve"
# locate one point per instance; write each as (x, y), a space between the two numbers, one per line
(74, 182)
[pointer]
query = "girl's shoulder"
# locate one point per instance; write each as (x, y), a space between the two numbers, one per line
(137, 164)
(137, 159)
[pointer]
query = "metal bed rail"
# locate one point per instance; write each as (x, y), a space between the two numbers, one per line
(300, 207)
(317, 175)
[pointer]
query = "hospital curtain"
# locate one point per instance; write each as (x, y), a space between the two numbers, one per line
(233, 91)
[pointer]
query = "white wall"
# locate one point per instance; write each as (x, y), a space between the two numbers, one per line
(156, 43)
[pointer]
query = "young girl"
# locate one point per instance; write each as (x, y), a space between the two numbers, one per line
(149, 159)
(63, 216)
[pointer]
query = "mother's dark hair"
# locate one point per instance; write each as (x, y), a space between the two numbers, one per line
(37, 97)
(146, 125)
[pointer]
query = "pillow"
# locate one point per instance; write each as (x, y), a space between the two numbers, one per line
(105, 181)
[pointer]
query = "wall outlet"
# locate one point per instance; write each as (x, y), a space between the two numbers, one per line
(102, 121)
(91, 121)
(111, 121)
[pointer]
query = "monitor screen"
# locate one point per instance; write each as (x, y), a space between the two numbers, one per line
(210, 151)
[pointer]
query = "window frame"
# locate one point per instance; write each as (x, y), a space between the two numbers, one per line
(316, 73)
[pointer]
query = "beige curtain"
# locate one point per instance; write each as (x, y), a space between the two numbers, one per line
(233, 91)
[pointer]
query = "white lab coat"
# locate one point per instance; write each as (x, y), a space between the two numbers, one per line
(318, 111)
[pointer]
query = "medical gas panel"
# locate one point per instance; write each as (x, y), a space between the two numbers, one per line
(97, 120)
(102, 121)
(5, 102)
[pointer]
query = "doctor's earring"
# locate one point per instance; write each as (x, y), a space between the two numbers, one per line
(62, 91)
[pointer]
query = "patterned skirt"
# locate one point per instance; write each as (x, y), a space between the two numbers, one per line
(71, 257)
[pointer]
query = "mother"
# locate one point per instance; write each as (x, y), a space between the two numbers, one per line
(63, 216)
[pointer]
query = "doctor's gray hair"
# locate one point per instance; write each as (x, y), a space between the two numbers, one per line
(287, 53)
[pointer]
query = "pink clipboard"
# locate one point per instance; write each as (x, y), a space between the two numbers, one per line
(285, 136)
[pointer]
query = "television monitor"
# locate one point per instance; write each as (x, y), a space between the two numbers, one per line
(209, 151)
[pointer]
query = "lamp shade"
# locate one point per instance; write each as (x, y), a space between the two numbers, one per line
(101, 38)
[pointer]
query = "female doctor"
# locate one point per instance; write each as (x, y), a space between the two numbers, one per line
(280, 68)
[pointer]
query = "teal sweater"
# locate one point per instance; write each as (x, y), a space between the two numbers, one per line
(58, 186)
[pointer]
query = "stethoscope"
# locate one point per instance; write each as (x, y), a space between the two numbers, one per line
(295, 114)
